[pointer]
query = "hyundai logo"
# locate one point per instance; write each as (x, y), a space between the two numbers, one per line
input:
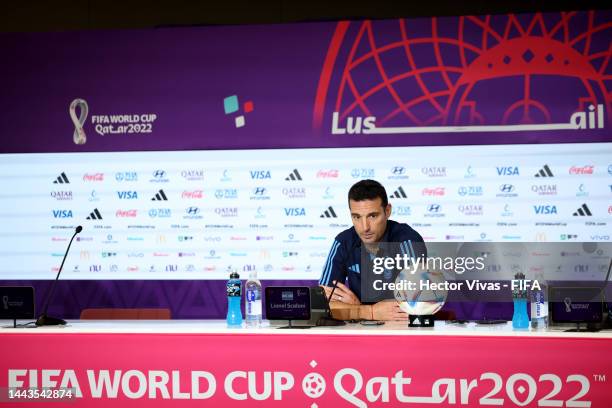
(159, 174)
(193, 210)
(398, 170)
(506, 188)
(259, 191)
(434, 208)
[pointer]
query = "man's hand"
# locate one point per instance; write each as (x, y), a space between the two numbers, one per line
(388, 310)
(342, 294)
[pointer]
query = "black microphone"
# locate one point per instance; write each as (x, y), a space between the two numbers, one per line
(43, 319)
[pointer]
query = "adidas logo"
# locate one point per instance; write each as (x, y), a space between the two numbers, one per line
(544, 172)
(95, 215)
(160, 196)
(583, 211)
(329, 213)
(293, 176)
(399, 193)
(62, 179)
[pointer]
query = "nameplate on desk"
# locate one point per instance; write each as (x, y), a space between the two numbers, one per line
(287, 303)
(16, 302)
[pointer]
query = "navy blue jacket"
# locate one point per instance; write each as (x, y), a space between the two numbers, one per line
(344, 260)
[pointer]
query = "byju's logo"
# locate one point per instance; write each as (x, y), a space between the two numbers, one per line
(294, 176)
(231, 105)
(159, 176)
(260, 174)
(61, 179)
(78, 136)
(295, 212)
(62, 213)
(507, 171)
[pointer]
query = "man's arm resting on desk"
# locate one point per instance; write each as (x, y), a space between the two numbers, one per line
(384, 310)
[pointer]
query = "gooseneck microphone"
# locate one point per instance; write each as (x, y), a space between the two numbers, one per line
(45, 320)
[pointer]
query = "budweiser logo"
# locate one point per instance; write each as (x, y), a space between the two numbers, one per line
(437, 191)
(581, 170)
(193, 194)
(328, 174)
(93, 177)
(126, 213)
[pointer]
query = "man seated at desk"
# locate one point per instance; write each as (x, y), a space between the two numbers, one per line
(346, 262)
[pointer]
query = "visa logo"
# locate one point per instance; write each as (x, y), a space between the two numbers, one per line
(127, 195)
(295, 212)
(260, 174)
(62, 213)
(508, 171)
(545, 209)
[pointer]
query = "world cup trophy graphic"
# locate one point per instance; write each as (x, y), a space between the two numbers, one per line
(79, 136)
(495, 70)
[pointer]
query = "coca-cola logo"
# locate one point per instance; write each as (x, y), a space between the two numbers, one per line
(93, 177)
(196, 194)
(126, 213)
(581, 170)
(328, 173)
(436, 191)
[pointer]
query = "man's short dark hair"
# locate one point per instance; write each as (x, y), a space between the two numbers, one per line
(368, 190)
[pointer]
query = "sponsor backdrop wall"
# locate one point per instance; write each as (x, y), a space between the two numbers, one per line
(187, 152)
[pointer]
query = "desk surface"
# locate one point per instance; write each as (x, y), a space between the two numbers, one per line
(219, 327)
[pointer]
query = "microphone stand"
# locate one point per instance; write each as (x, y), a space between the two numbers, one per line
(43, 319)
(329, 320)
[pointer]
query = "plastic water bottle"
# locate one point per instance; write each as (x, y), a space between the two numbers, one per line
(234, 296)
(539, 305)
(520, 320)
(252, 306)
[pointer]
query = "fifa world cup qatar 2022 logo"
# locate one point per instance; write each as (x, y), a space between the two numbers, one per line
(78, 135)
(540, 71)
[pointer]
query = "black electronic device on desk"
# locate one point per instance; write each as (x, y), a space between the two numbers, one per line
(16, 302)
(580, 305)
(288, 303)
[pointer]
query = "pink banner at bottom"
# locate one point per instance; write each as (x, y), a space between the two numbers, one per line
(232, 370)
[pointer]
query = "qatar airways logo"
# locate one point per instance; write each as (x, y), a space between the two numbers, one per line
(584, 170)
(91, 177)
(126, 213)
(433, 192)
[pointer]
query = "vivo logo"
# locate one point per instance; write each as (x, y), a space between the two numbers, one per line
(295, 212)
(127, 195)
(545, 209)
(508, 171)
(260, 174)
(62, 213)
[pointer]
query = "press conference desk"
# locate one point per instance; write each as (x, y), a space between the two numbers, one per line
(203, 363)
